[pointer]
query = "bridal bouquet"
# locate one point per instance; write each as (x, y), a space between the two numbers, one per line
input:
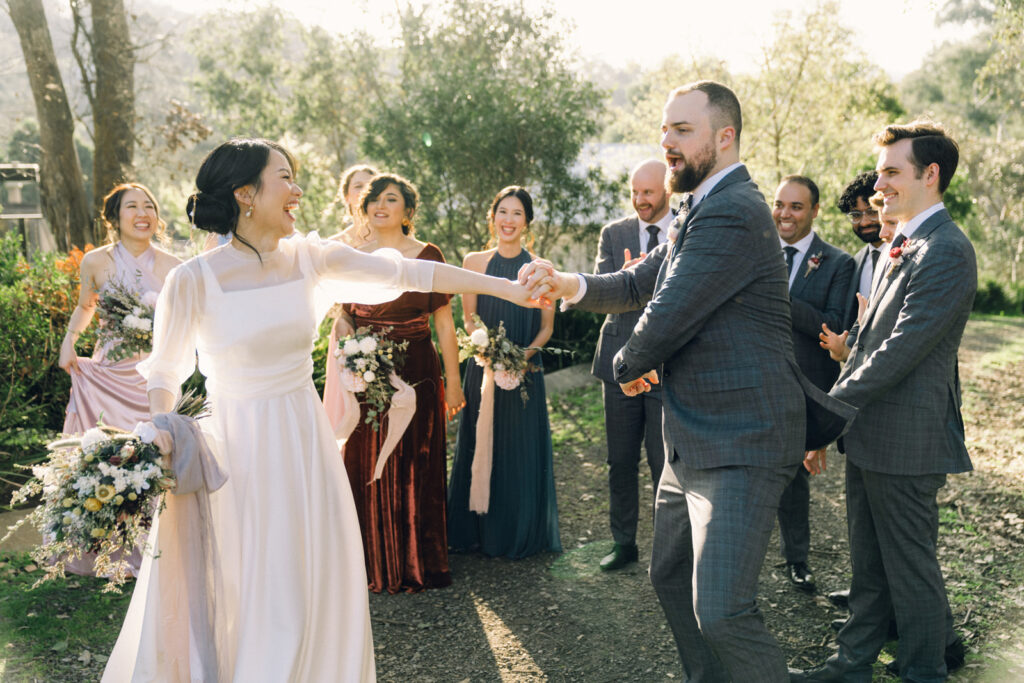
(367, 361)
(98, 493)
(127, 320)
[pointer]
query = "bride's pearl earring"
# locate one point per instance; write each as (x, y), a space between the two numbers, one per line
(248, 214)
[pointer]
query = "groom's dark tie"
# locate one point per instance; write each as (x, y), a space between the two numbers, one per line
(652, 243)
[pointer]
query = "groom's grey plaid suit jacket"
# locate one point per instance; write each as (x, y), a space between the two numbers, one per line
(718, 328)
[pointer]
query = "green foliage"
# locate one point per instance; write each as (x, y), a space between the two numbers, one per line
(486, 97)
(575, 331)
(36, 301)
(812, 109)
(992, 297)
(303, 87)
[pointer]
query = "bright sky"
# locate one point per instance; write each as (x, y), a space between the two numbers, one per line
(896, 34)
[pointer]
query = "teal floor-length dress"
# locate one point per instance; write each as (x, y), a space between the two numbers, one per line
(522, 518)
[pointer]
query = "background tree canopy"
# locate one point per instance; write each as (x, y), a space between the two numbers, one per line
(477, 94)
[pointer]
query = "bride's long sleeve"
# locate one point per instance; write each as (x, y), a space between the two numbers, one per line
(174, 331)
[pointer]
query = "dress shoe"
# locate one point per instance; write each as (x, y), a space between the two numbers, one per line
(955, 655)
(840, 598)
(619, 557)
(800, 576)
(819, 674)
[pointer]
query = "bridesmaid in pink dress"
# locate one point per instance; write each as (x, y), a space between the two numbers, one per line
(113, 389)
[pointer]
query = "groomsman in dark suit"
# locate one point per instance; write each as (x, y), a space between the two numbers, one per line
(718, 332)
(854, 203)
(630, 421)
(819, 281)
(908, 434)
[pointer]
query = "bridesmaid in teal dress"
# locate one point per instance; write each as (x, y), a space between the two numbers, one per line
(522, 517)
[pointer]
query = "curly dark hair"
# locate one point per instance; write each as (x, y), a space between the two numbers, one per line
(862, 186)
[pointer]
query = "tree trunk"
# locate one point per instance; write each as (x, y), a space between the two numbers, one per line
(61, 186)
(113, 105)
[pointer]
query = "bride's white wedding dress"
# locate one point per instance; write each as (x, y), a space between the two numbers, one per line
(291, 601)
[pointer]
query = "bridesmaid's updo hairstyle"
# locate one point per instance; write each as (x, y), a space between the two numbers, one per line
(233, 164)
(111, 216)
(523, 196)
(379, 183)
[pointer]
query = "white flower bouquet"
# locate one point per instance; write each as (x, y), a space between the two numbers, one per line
(127, 320)
(367, 361)
(98, 494)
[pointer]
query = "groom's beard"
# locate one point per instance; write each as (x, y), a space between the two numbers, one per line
(693, 173)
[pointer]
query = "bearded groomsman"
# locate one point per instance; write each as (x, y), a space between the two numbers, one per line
(630, 421)
(855, 203)
(819, 280)
(908, 434)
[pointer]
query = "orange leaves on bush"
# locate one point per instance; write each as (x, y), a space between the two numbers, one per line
(73, 262)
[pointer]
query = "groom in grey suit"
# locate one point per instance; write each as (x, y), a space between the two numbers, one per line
(908, 434)
(718, 328)
(630, 421)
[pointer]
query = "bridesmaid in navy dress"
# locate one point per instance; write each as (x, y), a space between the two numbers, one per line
(522, 517)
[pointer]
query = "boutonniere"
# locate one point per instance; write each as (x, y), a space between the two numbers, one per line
(814, 262)
(897, 255)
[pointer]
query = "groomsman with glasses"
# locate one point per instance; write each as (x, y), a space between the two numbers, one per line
(855, 203)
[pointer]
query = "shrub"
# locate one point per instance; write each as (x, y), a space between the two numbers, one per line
(36, 301)
(993, 298)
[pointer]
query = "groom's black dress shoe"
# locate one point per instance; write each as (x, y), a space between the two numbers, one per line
(819, 674)
(840, 598)
(619, 557)
(955, 655)
(800, 576)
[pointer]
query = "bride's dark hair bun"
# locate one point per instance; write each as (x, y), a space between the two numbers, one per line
(212, 213)
(231, 165)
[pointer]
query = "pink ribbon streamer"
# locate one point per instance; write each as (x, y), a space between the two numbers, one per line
(398, 417)
(483, 453)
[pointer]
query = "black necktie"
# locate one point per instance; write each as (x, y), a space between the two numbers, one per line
(790, 253)
(653, 241)
(874, 261)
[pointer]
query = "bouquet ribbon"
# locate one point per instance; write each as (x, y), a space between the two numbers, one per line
(189, 563)
(483, 453)
(399, 415)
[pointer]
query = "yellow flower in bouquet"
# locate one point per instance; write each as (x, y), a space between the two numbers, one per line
(92, 505)
(104, 493)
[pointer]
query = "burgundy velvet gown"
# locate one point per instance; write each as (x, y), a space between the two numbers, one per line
(402, 515)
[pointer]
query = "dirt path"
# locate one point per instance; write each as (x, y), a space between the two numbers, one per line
(556, 618)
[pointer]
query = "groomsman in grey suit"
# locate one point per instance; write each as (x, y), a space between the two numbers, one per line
(854, 202)
(819, 281)
(909, 433)
(630, 421)
(734, 409)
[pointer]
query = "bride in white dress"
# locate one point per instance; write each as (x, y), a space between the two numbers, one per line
(290, 602)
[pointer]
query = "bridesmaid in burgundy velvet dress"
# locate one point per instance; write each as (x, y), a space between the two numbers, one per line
(402, 515)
